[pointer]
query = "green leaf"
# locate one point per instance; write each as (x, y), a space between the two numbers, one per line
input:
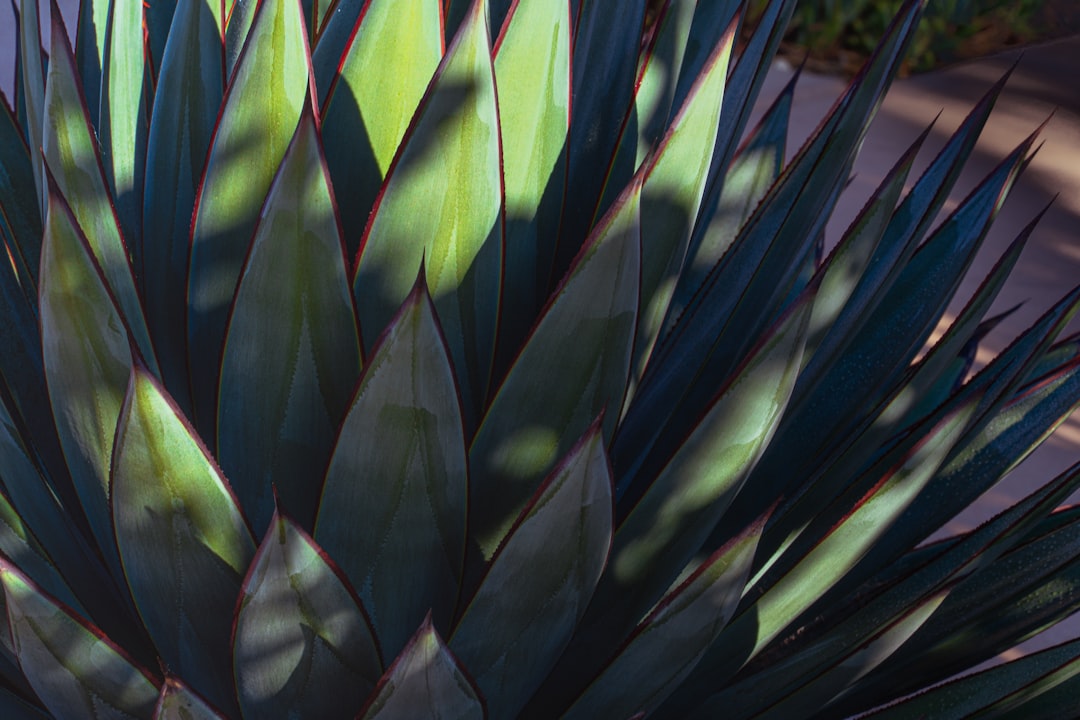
(572, 368)
(20, 216)
(753, 170)
(403, 439)
(605, 58)
(367, 113)
(302, 645)
(176, 519)
(75, 671)
(830, 546)
(672, 196)
(424, 681)
(92, 25)
(124, 115)
(532, 71)
(70, 148)
(179, 702)
(276, 421)
(442, 204)
(539, 582)
(272, 72)
(33, 87)
(189, 92)
(994, 691)
(673, 517)
(87, 353)
(666, 645)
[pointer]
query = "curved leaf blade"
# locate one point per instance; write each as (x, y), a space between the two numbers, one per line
(367, 113)
(302, 645)
(186, 103)
(176, 519)
(273, 71)
(540, 581)
(424, 681)
(87, 356)
(276, 421)
(123, 121)
(666, 645)
(442, 203)
(573, 367)
(70, 148)
(179, 702)
(532, 72)
(76, 671)
(396, 488)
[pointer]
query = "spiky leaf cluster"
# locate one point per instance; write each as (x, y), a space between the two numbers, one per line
(421, 358)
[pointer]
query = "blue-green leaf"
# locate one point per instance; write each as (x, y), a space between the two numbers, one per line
(425, 680)
(442, 203)
(367, 113)
(87, 354)
(276, 421)
(539, 582)
(179, 702)
(75, 671)
(396, 488)
(189, 92)
(124, 114)
(272, 72)
(70, 148)
(302, 646)
(573, 367)
(176, 519)
(665, 646)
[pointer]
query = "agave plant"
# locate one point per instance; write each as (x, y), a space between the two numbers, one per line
(472, 359)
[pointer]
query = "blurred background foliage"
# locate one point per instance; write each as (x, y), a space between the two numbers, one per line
(836, 36)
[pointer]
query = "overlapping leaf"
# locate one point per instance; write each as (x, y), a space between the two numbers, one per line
(539, 582)
(303, 647)
(176, 519)
(396, 489)
(442, 203)
(276, 421)
(273, 71)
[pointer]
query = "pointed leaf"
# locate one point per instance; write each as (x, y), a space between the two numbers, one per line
(302, 645)
(753, 170)
(442, 204)
(532, 70)
(276, 421)
(540, 581)
(396, 488)
(672, 196)
(33, 87)
(993, 691)
(124, 115)
(424, 681)
(367, 113)
(189, 92)
(573, 367)
(92, 25)
(71, 152)
(179, 702)
(666, 645)
(20, 212)
(674, 516)
(176, 519)
(605, 55)
(87, 353)
(76, 671)
(247, 148)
